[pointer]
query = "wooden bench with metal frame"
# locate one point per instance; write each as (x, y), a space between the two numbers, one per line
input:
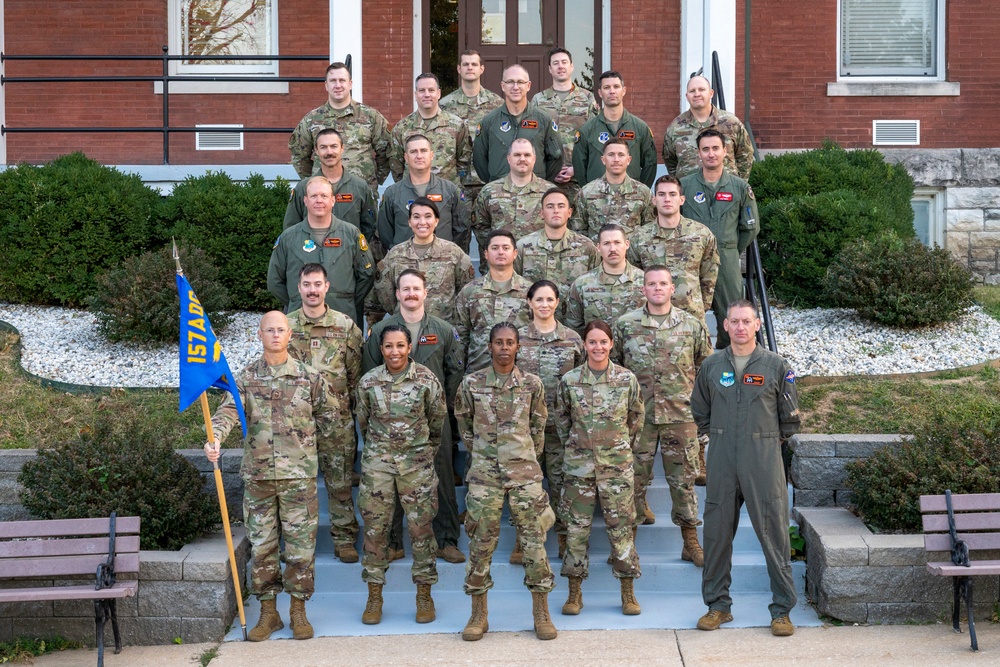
(73, 548)
(960, 524)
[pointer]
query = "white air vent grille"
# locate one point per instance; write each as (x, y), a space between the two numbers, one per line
(218, 141)
(896, 132)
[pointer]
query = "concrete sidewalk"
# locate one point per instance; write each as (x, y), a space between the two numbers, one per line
(878, 646)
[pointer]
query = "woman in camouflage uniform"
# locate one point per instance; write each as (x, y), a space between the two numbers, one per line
(599, 415)
(549, 350)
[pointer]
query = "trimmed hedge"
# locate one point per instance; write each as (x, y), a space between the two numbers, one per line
(815, 202)
(64, 222)
(236, 224)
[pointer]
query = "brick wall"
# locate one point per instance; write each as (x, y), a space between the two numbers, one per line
(646, 49)
(794, 57)
(388, 57)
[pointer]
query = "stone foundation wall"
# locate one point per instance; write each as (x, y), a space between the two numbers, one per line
(187, 593)
(818, 471)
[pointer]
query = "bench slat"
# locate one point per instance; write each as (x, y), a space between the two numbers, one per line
(67, 527)
(975, 541)
(67, 547)
(966, 502)
(949, 569)
(938, 523)
(66, 565)
(124, 589)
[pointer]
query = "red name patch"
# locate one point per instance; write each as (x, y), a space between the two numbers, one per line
(723, 196)
(755, 380)
(529, 124)
(435, 197)
(430, 339)
(344, 199)
(331, 243)
(626, 135)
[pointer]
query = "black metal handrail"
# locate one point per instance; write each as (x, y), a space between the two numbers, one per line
(756, 286)
(166, 78)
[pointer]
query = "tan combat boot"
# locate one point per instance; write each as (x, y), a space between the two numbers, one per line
(301, 628)
(650, 517)
(373, 608)
(544, 629)
(478, 624)
(561, 539)
(425, 604)
(345, 553)
(702, 469)
(268, 622)
(517, 556)
(574, 602)
(692, 550)
(629, 605)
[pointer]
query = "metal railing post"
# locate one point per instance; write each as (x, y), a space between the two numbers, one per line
(166, 106)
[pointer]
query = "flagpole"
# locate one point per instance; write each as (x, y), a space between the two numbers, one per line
(221, 492)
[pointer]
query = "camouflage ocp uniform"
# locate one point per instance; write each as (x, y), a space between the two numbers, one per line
(481, 304)
(598, 420)
(472, 110)
(445, 267)
(366, 141)
(691, 253)
(570, 111)
(680, 147)
(562, 261)
(597, 295)
(502, 421)
(332, 345)
(401, 421)
(287, 414)
(550, 355)
(503, 205)
(353, 203)
(665, 357)
(599, 203)
(450, 141)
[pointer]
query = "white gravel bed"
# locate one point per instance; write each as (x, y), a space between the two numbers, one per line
(837, 342)
(63, 344)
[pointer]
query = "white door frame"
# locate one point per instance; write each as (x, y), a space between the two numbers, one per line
(706, 26)
(346, 38)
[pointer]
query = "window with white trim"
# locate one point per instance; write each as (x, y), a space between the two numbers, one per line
(224, 28)
(928, 216)
(892, 38)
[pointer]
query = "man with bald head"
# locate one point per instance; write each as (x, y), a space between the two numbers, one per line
(516, 119)
(513, 202)
(288, 415)
(680, 148)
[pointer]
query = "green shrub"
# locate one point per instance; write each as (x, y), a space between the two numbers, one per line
(899, 282)
(236, 224)
(64, 222)
(960, 452)
(138, 301)
(815, 202)
(129, 469)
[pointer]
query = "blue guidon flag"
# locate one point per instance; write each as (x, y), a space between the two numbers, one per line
(202, 363)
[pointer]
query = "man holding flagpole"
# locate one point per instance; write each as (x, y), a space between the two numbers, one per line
(287, 414)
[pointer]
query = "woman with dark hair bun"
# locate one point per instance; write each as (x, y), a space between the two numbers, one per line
(599, 414)
(549, 350)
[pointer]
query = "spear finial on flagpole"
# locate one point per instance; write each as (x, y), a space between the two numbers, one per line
(177, 257)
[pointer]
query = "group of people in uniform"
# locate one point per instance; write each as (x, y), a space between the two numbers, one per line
(580, 350)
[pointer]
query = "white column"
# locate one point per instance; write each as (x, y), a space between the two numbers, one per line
(706, 26)
(346, 38)
(418, 42)
(605, 38)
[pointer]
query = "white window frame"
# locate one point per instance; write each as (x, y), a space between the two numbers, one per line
(939, 57)
(261, 68)
(936, 218)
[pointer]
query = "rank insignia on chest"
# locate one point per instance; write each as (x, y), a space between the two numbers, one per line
(627, 135)
(331, 243)
(429, 339)
(699, 197)
(555, 126)
(755, 380)
(344, 199)
(603, 137)
(314, 343)
(723, 196)
(529, 124)
(505, 126)
(728, 379)
(309, 245)
(436, 197)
